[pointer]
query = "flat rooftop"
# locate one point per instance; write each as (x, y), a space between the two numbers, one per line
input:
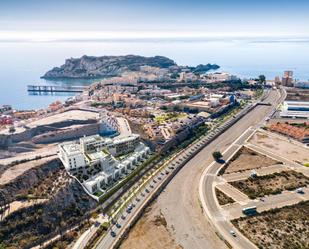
(96, 155)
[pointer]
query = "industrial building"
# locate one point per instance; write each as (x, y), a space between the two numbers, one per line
(295, 109)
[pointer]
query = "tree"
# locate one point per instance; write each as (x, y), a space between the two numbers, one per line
(217, 155)
(262, 79)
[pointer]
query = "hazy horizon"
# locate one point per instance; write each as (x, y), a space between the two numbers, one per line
(35, 20)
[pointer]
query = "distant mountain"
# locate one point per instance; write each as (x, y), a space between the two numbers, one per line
(108, 66)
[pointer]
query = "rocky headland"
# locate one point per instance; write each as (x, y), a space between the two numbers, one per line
(111, 66)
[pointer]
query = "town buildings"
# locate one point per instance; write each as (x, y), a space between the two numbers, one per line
(220, 77)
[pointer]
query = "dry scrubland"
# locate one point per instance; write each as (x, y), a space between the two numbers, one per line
(271, 184)
(287, 227)
(150, 232)
(44, 203)
(223, 199)
(246, 159)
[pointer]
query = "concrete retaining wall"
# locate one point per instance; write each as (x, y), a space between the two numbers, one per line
(67, 134)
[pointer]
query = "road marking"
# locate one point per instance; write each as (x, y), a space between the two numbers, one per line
(203, 177)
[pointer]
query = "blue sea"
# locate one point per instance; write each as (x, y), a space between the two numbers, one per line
(22, 63)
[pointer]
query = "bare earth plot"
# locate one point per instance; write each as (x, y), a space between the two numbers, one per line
(14, 171)
(271, 184)
(150, 232)
(287, 227)
(247, 159)
(281, 147)
(43, 151)
(223, 199)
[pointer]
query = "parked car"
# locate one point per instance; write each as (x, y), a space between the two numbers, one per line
(233, 233)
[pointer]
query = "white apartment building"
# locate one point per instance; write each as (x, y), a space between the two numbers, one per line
(108, 124)
(99, 152)
(123, 145)
(71, 156)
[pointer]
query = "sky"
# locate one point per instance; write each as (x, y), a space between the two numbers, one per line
(42, 20)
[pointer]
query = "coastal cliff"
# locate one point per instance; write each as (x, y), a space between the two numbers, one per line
(109, 66)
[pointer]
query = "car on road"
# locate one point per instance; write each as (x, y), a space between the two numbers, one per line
(123, 217)
(232, 232)
(159, 178)
(113, 234)
(131, 206)
(147, 191)
(300, 191)
(118, 225)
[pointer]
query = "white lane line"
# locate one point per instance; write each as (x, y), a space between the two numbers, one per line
(201, 190)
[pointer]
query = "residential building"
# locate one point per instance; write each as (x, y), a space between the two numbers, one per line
(220, 77)
(99, 154)
(287, 79)
(71, 156)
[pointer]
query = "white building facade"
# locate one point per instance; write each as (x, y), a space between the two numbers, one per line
(103, 155)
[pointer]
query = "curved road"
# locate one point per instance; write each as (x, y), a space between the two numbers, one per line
(180, 202)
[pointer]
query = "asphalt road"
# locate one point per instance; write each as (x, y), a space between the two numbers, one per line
(286, 198)
(180, 203)
(213, 210)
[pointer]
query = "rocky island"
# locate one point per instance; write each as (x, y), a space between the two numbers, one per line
(111, 66)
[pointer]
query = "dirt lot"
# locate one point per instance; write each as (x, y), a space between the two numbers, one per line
(271, 184)
(223, 199)
(281, 146)
(246, 159)
(287, 227)
(150, 232)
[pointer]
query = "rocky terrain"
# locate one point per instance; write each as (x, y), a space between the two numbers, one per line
(109, 66)
(50, 204)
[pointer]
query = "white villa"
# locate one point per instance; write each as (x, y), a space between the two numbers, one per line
(101, 153)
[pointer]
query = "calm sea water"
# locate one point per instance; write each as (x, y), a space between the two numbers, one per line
(23, 63)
